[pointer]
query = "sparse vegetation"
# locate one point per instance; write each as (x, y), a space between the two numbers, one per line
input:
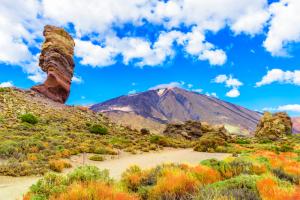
(61, 131)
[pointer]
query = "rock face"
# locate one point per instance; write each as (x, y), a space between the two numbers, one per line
(56, 60)
(272, 126)
(194, 130)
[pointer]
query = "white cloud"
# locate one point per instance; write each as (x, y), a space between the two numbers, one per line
(284, 26)
(132, 92)
(280, 76)
(287, 108)
(94, 55)
(199, 90)
(234, 92)
(21, 24)
(77, 79)
(213, 94)
(6, 84)
(229, 82)
(166, 85)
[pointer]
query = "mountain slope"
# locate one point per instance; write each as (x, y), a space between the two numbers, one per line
(296, 124)
(178, 105)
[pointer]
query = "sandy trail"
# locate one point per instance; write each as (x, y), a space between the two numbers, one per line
(12, 188)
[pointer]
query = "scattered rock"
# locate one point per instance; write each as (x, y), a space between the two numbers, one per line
(56, 60)
(273, 126)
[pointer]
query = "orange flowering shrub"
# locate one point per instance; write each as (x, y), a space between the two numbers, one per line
(174, 184)
(58, 165)
(206, 175)
(269, 190)
(133, 177)
(92, 190)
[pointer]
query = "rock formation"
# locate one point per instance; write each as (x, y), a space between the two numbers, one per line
(272, 126)
(56, 60)
(195, 129)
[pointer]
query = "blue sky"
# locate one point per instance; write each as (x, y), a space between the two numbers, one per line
(245, 52)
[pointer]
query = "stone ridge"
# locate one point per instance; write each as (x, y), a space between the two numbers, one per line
(56, 60)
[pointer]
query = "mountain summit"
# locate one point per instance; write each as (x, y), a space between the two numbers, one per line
(172, 105)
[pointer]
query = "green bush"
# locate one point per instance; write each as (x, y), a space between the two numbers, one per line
(97, 158)
(29, 118)
(50, 184)
(88, 173)
(238, 186)
(98, 129)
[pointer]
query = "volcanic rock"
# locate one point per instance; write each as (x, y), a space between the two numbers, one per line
(195, 129)
(56, 60)
(272, 126)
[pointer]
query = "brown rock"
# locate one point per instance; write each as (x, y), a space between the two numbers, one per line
(273, 126)
(195, 129)
(56, 60)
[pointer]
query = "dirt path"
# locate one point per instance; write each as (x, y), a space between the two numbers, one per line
(12, 188)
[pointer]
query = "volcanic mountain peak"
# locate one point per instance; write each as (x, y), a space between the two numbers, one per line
(168, 105)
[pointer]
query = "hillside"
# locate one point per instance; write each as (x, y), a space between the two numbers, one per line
(177, 105)
(28, 148)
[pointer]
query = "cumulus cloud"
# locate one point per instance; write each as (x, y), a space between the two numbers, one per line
(19, 29)
(234, 92)
(6, 84)
(185, 25)
(287, 108)
(166, 85)
(280, 76)
(229, 82)
(284, 26)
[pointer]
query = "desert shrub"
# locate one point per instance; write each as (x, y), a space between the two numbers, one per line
(174, 184)
(97, 158)
(92, 190)
(221, 166)
(233, 194)
(133, 178)
(280, 173)
(236, 188)
(98, 129)
(104, 150)
(272, 189)
(241, 166)
(209, 143)
(50, 184)
(29, 118)
(145, 131)
(58, 165)
(206, 175)
(88, 173)
(7, 148)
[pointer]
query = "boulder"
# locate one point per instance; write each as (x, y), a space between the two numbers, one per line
(56, 60)
(273, 126)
